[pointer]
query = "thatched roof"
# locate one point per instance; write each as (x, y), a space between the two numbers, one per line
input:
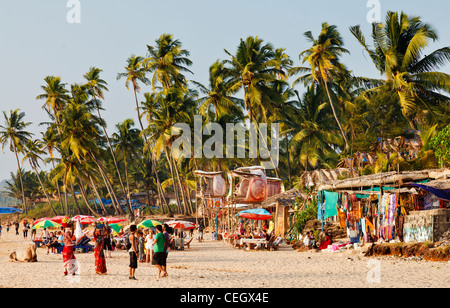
(285, 198)
(324, 176)
(386, 178)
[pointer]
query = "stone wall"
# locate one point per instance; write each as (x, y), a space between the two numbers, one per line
(426, 226)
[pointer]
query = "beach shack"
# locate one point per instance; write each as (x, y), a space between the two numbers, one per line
(410, 206)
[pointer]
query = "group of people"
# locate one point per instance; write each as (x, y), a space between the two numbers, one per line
(310, 241)
(25, 228)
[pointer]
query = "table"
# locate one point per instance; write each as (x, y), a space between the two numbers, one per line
(255, 241)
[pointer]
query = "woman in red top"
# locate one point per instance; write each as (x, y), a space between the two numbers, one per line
(67, 253)
(100, 260)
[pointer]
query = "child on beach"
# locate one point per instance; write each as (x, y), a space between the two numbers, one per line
(141, 246)
(149, 245)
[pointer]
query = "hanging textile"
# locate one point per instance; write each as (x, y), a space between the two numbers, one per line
(342, 218)
(330, 206)
(418, 202)
(320, 206)
(443, 194)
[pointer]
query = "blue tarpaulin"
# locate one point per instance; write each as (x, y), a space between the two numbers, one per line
(440, 193)
(10, 210)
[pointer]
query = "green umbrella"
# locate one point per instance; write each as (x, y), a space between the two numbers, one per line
(46, 224)
(116, 227)
(149, 223)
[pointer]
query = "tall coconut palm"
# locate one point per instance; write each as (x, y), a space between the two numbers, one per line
(167, 61)
(128, 145)
(218, 94)
(96, 86)
(55, 95)
(14, 133)
(324, 62)
(33, 152)
(312, 142)
(252, 68)
(410, 76)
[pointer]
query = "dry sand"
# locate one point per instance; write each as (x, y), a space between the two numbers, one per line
(218, 265)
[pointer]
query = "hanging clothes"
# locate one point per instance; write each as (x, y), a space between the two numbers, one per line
(330, 206)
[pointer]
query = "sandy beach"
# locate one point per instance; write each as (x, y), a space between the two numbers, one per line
(217, 265)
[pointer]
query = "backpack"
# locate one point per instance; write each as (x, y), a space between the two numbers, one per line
(127, 242)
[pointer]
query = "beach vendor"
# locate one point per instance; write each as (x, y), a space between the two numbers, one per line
(324, 244)
(67, 253)
(99, 239)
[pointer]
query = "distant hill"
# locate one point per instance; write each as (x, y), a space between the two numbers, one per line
(5, 200)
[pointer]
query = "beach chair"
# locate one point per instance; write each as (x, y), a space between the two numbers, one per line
(179, 244)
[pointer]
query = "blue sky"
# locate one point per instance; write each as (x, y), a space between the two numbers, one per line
(36, 40)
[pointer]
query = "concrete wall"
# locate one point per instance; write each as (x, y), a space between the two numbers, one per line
(426, 226)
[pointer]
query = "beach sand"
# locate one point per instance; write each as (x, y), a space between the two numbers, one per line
(214, 264)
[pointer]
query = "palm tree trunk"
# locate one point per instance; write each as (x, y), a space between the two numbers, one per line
(83, 193)
(58, 189)
(75, 199)
(128, 182)
(108, 185)
(113, 155)
(45, 192)
(288, 160)
(186, 211)
(94, 188)
(21, 180)
(173, 179)
(336, 117)
(159, 188)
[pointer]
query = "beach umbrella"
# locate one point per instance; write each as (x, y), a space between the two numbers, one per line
(10, 210)
(116, 227)
(59, 219)
(40, 219)
(46, 224)
(149, 223)
(111, 220)
(84, 219)
(255, 214)
(180, 224)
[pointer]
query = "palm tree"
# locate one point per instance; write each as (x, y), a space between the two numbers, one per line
(323, 59)
(312, 142)
(167, 61)
(55, 95)
(218, 94)
(96, 86)
(135, 73)
(33, 152)
(252, 68)
(127, 145)
(410, 76)
(14, 132)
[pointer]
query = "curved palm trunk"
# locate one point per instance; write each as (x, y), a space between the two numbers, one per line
(185, 204)
(113, 155)
(21, 180)
(75, 199)
(45, 192)
(128, 182)
(108, 184)
(158, 182)
(83, 193)
(175, 188)
(58, 189)
(336, 117)
(97, 194)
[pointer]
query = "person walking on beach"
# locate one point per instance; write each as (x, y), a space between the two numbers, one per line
(107, 245)
(141, 241)
(166, 232)
(200, 229)
(149, 246)
(133, 251)
(33, 231)
(16, 225)
(100, 261)
(159, 254)
(67, 254)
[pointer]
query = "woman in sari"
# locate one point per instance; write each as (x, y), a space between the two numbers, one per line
(67, 253)
(100, 260)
